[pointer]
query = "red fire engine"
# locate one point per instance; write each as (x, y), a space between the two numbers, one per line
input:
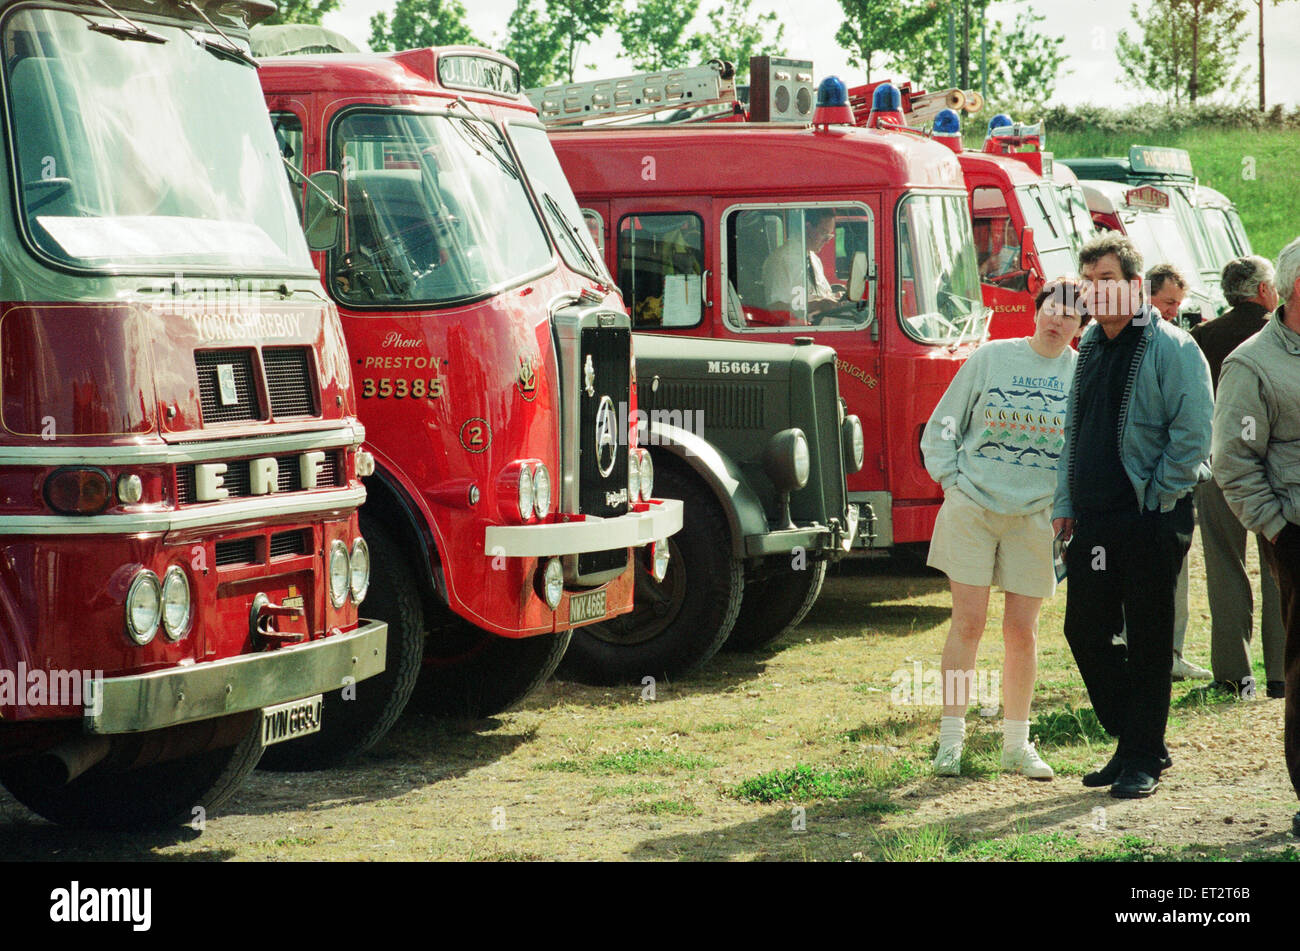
(1022, 233)
(493, 364)
(180, 452)
(706, 223)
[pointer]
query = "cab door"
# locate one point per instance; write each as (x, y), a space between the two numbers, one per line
(659, 253)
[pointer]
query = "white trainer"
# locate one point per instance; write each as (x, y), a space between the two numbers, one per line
(1027, 762)
(1185, 670)
(947, 762)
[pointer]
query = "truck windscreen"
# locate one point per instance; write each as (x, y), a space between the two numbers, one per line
(938, 280)
(1051, 231)
(144, 155)
(437, 211)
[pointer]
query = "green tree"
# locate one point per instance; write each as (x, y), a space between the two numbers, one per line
(301, 11)
(532, 42)
(1187, 48)
(1024, 64)
(416, 24)
(654, 33)
(874, 28)
(576, 22)
(735, 34)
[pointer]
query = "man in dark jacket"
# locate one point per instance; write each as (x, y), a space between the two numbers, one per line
(1248, 285)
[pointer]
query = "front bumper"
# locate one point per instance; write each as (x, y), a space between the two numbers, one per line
(218, 688)
(833, 540)
(662, 517)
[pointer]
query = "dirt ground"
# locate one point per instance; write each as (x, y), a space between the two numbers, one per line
(804, 751)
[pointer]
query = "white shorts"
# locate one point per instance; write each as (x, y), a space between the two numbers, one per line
(974, 546)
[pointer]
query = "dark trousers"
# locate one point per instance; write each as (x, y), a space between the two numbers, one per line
(1123, 567)
(1284, 559)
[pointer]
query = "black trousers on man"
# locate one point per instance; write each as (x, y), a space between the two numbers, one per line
(1284, 558)
(1123, 567)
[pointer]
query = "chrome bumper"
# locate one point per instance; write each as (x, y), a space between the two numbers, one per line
(217, 688)
(663, 518)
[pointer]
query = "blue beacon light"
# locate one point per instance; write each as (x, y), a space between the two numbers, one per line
(947, 130)
(832, 103)
(886, 107)
(1000, 119)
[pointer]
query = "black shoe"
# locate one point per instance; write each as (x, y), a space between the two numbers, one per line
(1276, 689)
(1295, 825)
(1106, 775)
(1133, 783)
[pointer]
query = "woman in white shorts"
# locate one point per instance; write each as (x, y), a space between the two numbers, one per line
(993, 444)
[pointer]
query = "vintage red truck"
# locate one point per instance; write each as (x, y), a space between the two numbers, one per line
(492, 358)
(181, 563)
(690, 215)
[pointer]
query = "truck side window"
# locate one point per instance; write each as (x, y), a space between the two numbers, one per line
(288, 137)
(996, 241)
(789, 266)
(596, 228)
(661, 267)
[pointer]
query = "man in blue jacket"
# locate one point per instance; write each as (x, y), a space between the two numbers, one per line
(1137, 442)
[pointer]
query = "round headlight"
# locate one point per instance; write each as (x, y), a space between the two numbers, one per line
(553, 582)
(340, 573)
(647, 475)
(525, 492)
(659, 559)
(176, 605)
(541, 491)
(130, 488)
(633, 477)
(802, 462)
(143, 607)
(359, 563)
(855, 444)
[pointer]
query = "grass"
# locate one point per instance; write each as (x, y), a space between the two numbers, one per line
(1068, 726)
(1266, 202)
(803, 783)
(630, 761)
(666, 807)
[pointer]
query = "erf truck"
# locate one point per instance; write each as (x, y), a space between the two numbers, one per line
(742, 230)
(181, 563)
(1023, 235)
(492, 358)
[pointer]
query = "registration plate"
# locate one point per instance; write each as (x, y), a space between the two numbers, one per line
(585, 607)
(288, 721)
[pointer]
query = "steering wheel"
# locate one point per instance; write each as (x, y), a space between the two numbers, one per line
(54, 187)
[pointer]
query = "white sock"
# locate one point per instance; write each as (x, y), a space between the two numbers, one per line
(952, 731)
(1015, 734)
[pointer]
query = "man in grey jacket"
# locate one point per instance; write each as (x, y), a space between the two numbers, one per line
(1137, 442)
(1257, 464)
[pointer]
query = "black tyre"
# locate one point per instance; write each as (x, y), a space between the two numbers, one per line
(152, 797)
(775, 605)
(679, 623)
(349, 727)
(472, 673)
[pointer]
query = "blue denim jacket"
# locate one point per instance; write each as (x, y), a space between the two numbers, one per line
(1165, 417)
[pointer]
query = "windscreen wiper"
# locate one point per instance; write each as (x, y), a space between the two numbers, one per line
(131, 31)
(503, 158)
(228, 49)
(571, 233)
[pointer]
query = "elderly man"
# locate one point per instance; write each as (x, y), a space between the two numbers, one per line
(1166, 288)
(1257, 464)
(1248, 285)
(1137, 439)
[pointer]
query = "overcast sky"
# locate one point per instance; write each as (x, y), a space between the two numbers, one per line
(810, 27)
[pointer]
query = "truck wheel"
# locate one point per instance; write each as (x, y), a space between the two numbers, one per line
(775, 605)
(677, 624)
(151, 797)
(349, 727)
(471, 673)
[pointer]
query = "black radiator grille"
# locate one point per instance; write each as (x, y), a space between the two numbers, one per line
(826, 452)
(610, 351)
(245, 407)
(241, 551)
(288, 381)
(290, 543)
(725, 406)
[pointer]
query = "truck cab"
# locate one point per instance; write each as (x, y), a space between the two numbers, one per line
(181, 451)
(493, 361)
(706, 227)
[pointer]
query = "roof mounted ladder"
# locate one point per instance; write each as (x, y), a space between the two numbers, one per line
(642, 94)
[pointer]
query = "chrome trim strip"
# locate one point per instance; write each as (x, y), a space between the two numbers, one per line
(38, 454)
(217, 688)
(199, 516)
(664, 518)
